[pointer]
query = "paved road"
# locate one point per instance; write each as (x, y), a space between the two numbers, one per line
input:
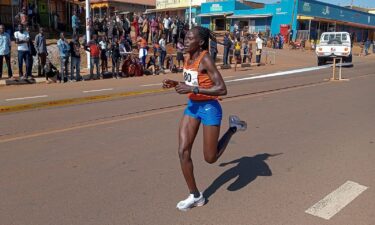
(115, 162)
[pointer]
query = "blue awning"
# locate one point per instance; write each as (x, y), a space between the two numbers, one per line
(215, 14)
(249, 16)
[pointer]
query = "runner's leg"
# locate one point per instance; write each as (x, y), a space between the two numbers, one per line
(212, 148)
(189, 127)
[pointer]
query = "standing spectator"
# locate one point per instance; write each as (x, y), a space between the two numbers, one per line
(75, 55)
(103, 54)
(64, 49)
(213, 49)
(145, 29)
(367, 46)
(75, 24)
(237, 53)
(30, 15)
(163, 51)
(142, 50)
(110, 26)
(41, 49)
(140, 23)
(94, 50)
(246, 52)
(259, 44)
(5, 47)
(180, 53)
(32, 53)
(22, 40)
(136, 27)
(166, 24)
(126, 25)
(154, 30)
(227, 46)
(180, 29)
(174, 33)
(116, 58)
(21, 17)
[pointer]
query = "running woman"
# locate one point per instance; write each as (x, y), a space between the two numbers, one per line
(203, 84)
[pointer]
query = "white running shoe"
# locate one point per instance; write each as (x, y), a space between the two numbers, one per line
(234, 121)
(191, 202)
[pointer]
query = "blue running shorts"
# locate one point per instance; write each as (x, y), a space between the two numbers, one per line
(208, 112)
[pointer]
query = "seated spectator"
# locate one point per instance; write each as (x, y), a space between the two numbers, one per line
(50, 70)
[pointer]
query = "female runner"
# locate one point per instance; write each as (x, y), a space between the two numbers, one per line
(203, 84)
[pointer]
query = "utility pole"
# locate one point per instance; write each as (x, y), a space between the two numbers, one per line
(190, 24)
(88, 25)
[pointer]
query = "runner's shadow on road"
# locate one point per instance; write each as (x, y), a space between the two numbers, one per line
(245, 172)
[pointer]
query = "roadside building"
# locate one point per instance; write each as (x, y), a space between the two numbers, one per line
(305, 19)
(101, 8)
(179, 8)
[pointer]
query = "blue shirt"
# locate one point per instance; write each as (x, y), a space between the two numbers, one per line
(75, 21)
(4, 44)
(63, 48)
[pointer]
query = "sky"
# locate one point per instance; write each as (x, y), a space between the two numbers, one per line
(362, 3)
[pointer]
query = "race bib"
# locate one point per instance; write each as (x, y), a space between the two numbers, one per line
(191, 78)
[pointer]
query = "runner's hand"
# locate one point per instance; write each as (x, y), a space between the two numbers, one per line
(167, 83)
(183, 88)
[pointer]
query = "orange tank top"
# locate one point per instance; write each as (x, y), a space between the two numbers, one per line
(193, 77)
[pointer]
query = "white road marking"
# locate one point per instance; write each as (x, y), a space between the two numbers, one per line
(149, 85)
(284, 73)
(228, 77)
(107, 89)
(25, 98)
(336, 200)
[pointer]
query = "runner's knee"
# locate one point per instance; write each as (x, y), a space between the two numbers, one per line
(184, 152)
(210, 159)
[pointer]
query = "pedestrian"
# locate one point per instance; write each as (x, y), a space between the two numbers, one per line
(174, 33)
(163, 51)
(246, 52)
(75, 54)
(103, 53)
(145, 29)
(227, 45)
(94, 50)
(142, 45)
(32, 53)
(237, 53)
(231, 49)
(22, 39)
(203, 85)
(180, 53)
(5, 50)
(213, 49)
(367, 46)
(116, 59)
(154, 30)
(75, 24)
(41, 49)
(259, 48)
(136, 27)
(166, 24)
(64, 49)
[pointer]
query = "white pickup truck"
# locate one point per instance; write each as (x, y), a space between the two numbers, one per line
(334, 44)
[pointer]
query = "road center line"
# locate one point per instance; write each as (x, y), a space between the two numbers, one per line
(149, 85)
(336, 200)
(25, 98)
(99, 90)
(284, 73)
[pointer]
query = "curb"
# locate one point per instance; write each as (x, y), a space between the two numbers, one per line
(74, 101)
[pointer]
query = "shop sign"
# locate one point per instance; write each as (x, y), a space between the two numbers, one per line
(216, 8)
(280, 12)
(325, 11)
(306, 7)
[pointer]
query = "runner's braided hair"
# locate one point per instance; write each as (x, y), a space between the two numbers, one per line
(205, 34)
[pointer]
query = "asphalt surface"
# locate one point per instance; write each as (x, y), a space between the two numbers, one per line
(116, 162)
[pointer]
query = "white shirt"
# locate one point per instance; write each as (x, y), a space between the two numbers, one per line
(166, 23)
(162, 44)
(22, 37)
(103, 45)
(259, 42)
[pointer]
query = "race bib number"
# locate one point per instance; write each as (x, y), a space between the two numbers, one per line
(191, 78)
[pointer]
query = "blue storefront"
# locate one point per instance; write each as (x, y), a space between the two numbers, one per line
(305, 18)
